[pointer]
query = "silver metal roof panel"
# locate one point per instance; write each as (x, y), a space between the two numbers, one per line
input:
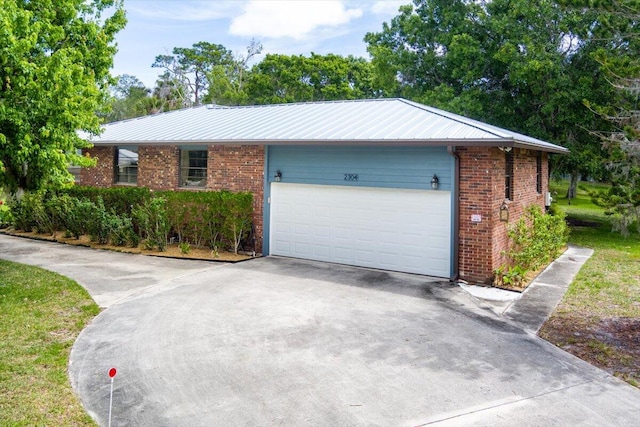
(360, 122)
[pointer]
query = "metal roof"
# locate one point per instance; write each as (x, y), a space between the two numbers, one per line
(355, 122)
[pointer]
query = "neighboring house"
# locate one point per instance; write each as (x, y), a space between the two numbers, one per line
(384, 183)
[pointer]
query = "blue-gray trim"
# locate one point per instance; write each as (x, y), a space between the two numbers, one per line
(388, 167)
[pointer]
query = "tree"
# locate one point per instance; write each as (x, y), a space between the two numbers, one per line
(227, 81)
(54, 76)
(186, 70)
(130, 98)
(526, 66)
(622, 142)
(283, 78)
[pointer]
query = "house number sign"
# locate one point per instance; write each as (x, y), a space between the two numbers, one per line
(350, 176)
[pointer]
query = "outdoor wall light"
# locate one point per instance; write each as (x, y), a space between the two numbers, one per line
(278, 175)
(504, 212)
(435, 182)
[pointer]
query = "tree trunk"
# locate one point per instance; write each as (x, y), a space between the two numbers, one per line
(573, 186)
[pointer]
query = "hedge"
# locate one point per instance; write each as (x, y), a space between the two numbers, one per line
(127, 215)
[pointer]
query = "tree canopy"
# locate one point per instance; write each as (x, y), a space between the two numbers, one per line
(290, 78)
(54, 75)
(622, 141)
(187, 70)
(526, 66)
(274, 79)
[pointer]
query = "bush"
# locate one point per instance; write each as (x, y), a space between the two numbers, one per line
(214, 218)
(534, 240)
(121, 230)
(237, 217)
(99, 225)
(23, 211)
(79, 216)
(219, 219)
(154, 222)
(6, 218)
(119, 200)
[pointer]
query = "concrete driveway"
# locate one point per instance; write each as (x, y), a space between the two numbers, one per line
(284, 342)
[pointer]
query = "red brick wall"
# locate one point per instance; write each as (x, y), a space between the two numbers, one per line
(481, 244)
(233, 168)
(239, 168)
(103, 174)
(158, 167)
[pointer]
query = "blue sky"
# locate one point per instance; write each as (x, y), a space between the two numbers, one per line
(291, 27)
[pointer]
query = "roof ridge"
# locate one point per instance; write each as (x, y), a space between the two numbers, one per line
(291, 104)
(458, 118)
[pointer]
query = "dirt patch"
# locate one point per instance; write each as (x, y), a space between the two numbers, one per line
(172, 251)
(612, 344)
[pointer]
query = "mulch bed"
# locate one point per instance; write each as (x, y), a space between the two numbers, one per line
(172, 251)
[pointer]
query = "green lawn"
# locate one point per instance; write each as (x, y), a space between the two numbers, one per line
(599, 317)
(41, 314)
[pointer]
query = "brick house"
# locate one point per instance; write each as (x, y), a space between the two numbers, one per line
(385, 183)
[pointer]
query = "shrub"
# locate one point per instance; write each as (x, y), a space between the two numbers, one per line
(79, 216)
(119, 200)
(237, 217)
(185, 247)
(57, 209)
(153, 221)
(23, 211)
(534, 240)
(121, 230)
(6, 218)
(213, 218)
(99, 225)
(219, 219)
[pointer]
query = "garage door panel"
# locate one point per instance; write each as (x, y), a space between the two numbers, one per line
(394, 229)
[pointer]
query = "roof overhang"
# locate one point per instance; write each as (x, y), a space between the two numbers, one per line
(354, 142)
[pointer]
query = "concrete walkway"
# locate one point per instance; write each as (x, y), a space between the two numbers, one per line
(286, 342)
(531, 309)
(109, 276)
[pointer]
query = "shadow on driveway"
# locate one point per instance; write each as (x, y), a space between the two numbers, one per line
(276, 341)
(287, 342)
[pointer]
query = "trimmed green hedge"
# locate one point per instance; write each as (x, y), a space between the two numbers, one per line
(120, 200)
(127, 215)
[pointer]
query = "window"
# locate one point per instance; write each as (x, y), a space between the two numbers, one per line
(193, 167)
(127, 165)
(508, 175)
(539, 172)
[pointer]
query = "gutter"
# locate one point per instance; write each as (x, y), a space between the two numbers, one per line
(456, 216)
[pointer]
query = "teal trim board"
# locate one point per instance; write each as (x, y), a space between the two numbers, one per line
(387, 167)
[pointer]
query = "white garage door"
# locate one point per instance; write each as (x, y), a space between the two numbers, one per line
(389, 229)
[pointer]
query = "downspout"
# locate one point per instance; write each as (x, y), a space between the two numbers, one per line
(456, 209)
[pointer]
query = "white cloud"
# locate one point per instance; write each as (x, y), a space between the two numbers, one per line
(388, 7)
(295, 19)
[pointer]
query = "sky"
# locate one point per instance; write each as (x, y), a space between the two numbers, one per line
(289, 27)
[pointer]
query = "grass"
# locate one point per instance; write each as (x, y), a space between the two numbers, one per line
(41, 314)
(599, 317)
